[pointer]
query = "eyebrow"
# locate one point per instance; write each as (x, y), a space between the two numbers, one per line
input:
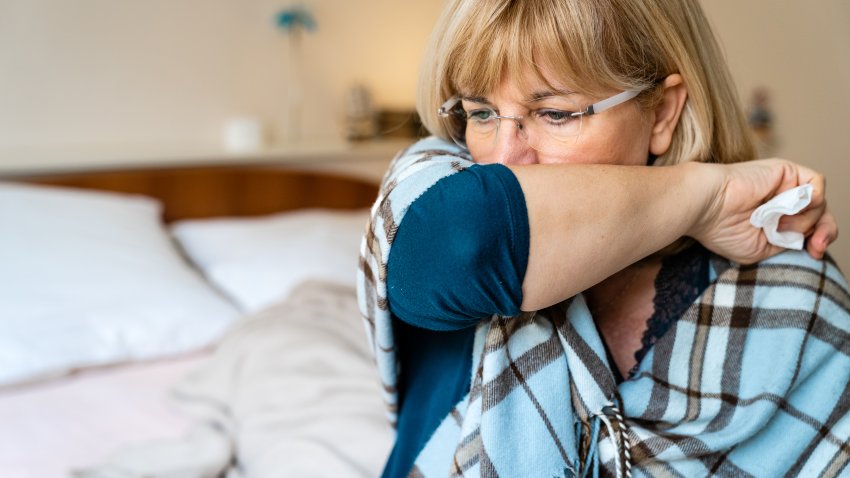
(536, 96)
(544, 94)
(477, 99)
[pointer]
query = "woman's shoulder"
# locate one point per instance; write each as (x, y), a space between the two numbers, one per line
(419, 167)
(428, 150)
(434, 145)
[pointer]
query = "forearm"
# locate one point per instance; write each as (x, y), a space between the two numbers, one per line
(543, 233)
(587, 222)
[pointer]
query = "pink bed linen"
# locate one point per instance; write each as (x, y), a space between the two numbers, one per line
(48, 428)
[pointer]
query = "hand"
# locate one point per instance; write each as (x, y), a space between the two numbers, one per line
(725, 227)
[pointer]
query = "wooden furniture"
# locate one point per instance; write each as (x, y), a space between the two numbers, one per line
(199, 192)
(208, 183)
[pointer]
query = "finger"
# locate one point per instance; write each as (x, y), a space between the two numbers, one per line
(803, 222)
(818, 182)
(816, 179)
(825, 233)
(790, 175)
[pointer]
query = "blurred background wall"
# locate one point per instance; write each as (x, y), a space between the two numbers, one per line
(130, 72)
(106, 72)
(800, 53)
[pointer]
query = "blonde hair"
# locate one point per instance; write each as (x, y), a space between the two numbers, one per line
(595, 46)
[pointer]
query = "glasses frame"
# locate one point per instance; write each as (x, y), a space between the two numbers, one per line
(445, 110)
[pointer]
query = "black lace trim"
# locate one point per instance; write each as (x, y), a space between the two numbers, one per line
(683, 277)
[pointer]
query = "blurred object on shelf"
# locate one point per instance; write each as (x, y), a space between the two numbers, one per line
(244, 135)
(364, 121)
(760, 118)
(359, 114)
(400, 124)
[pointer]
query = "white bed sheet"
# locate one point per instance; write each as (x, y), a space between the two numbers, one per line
(48, 428)
(289, 391)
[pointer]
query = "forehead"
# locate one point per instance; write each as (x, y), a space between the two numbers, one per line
(527, 85)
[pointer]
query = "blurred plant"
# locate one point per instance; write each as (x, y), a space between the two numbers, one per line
(294, 18)
(760, 118)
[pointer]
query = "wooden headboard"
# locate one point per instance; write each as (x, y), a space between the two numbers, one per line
(200, 192)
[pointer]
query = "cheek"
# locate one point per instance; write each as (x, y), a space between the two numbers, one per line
(483, 157)
(624, 142)
(621, 140)
(575, 155)
(636, 149)
(597, 149)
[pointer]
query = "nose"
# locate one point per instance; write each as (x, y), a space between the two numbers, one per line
(511, 146)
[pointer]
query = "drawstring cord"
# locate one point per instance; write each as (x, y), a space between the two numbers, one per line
(590, 459)
(619, 438)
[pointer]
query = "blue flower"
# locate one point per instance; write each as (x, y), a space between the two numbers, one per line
(296, 16)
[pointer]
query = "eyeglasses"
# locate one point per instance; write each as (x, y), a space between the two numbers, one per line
(544, 129)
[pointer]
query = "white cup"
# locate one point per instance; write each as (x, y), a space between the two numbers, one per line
(243, 135)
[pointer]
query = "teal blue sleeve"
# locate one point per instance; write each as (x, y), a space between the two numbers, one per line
(461, 251)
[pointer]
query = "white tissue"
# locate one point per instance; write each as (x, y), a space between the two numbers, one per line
(789, 202)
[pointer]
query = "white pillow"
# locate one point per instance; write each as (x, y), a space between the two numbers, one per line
(258, 261)
(90, 278)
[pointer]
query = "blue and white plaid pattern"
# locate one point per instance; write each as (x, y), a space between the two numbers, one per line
(753, 380)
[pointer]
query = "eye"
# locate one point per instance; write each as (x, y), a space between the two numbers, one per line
(480, 115)
(555, 117)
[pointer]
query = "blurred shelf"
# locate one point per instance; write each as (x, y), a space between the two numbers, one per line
(367, 159)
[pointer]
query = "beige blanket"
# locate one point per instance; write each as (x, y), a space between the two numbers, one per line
(291, 391)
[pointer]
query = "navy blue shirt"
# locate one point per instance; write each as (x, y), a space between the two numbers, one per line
(459, 256)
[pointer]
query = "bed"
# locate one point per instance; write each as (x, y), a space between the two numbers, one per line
(185, 321)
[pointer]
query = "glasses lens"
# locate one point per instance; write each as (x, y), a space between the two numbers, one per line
(550, 129)
(476, 126)
(480, 121)
(454, 121)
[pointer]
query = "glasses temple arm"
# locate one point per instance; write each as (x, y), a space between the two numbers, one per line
(611, 102)
(446, 107)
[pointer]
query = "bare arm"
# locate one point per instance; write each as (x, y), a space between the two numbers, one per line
(589, 221)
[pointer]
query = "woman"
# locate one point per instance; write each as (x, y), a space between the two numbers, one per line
(533, 307)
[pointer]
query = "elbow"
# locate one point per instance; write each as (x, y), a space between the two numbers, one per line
(460, 252)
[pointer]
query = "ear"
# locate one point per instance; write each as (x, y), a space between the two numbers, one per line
(667, 113)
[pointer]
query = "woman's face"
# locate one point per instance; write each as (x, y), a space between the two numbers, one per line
(619, 135)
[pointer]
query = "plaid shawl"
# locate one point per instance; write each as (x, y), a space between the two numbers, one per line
(753, 380)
